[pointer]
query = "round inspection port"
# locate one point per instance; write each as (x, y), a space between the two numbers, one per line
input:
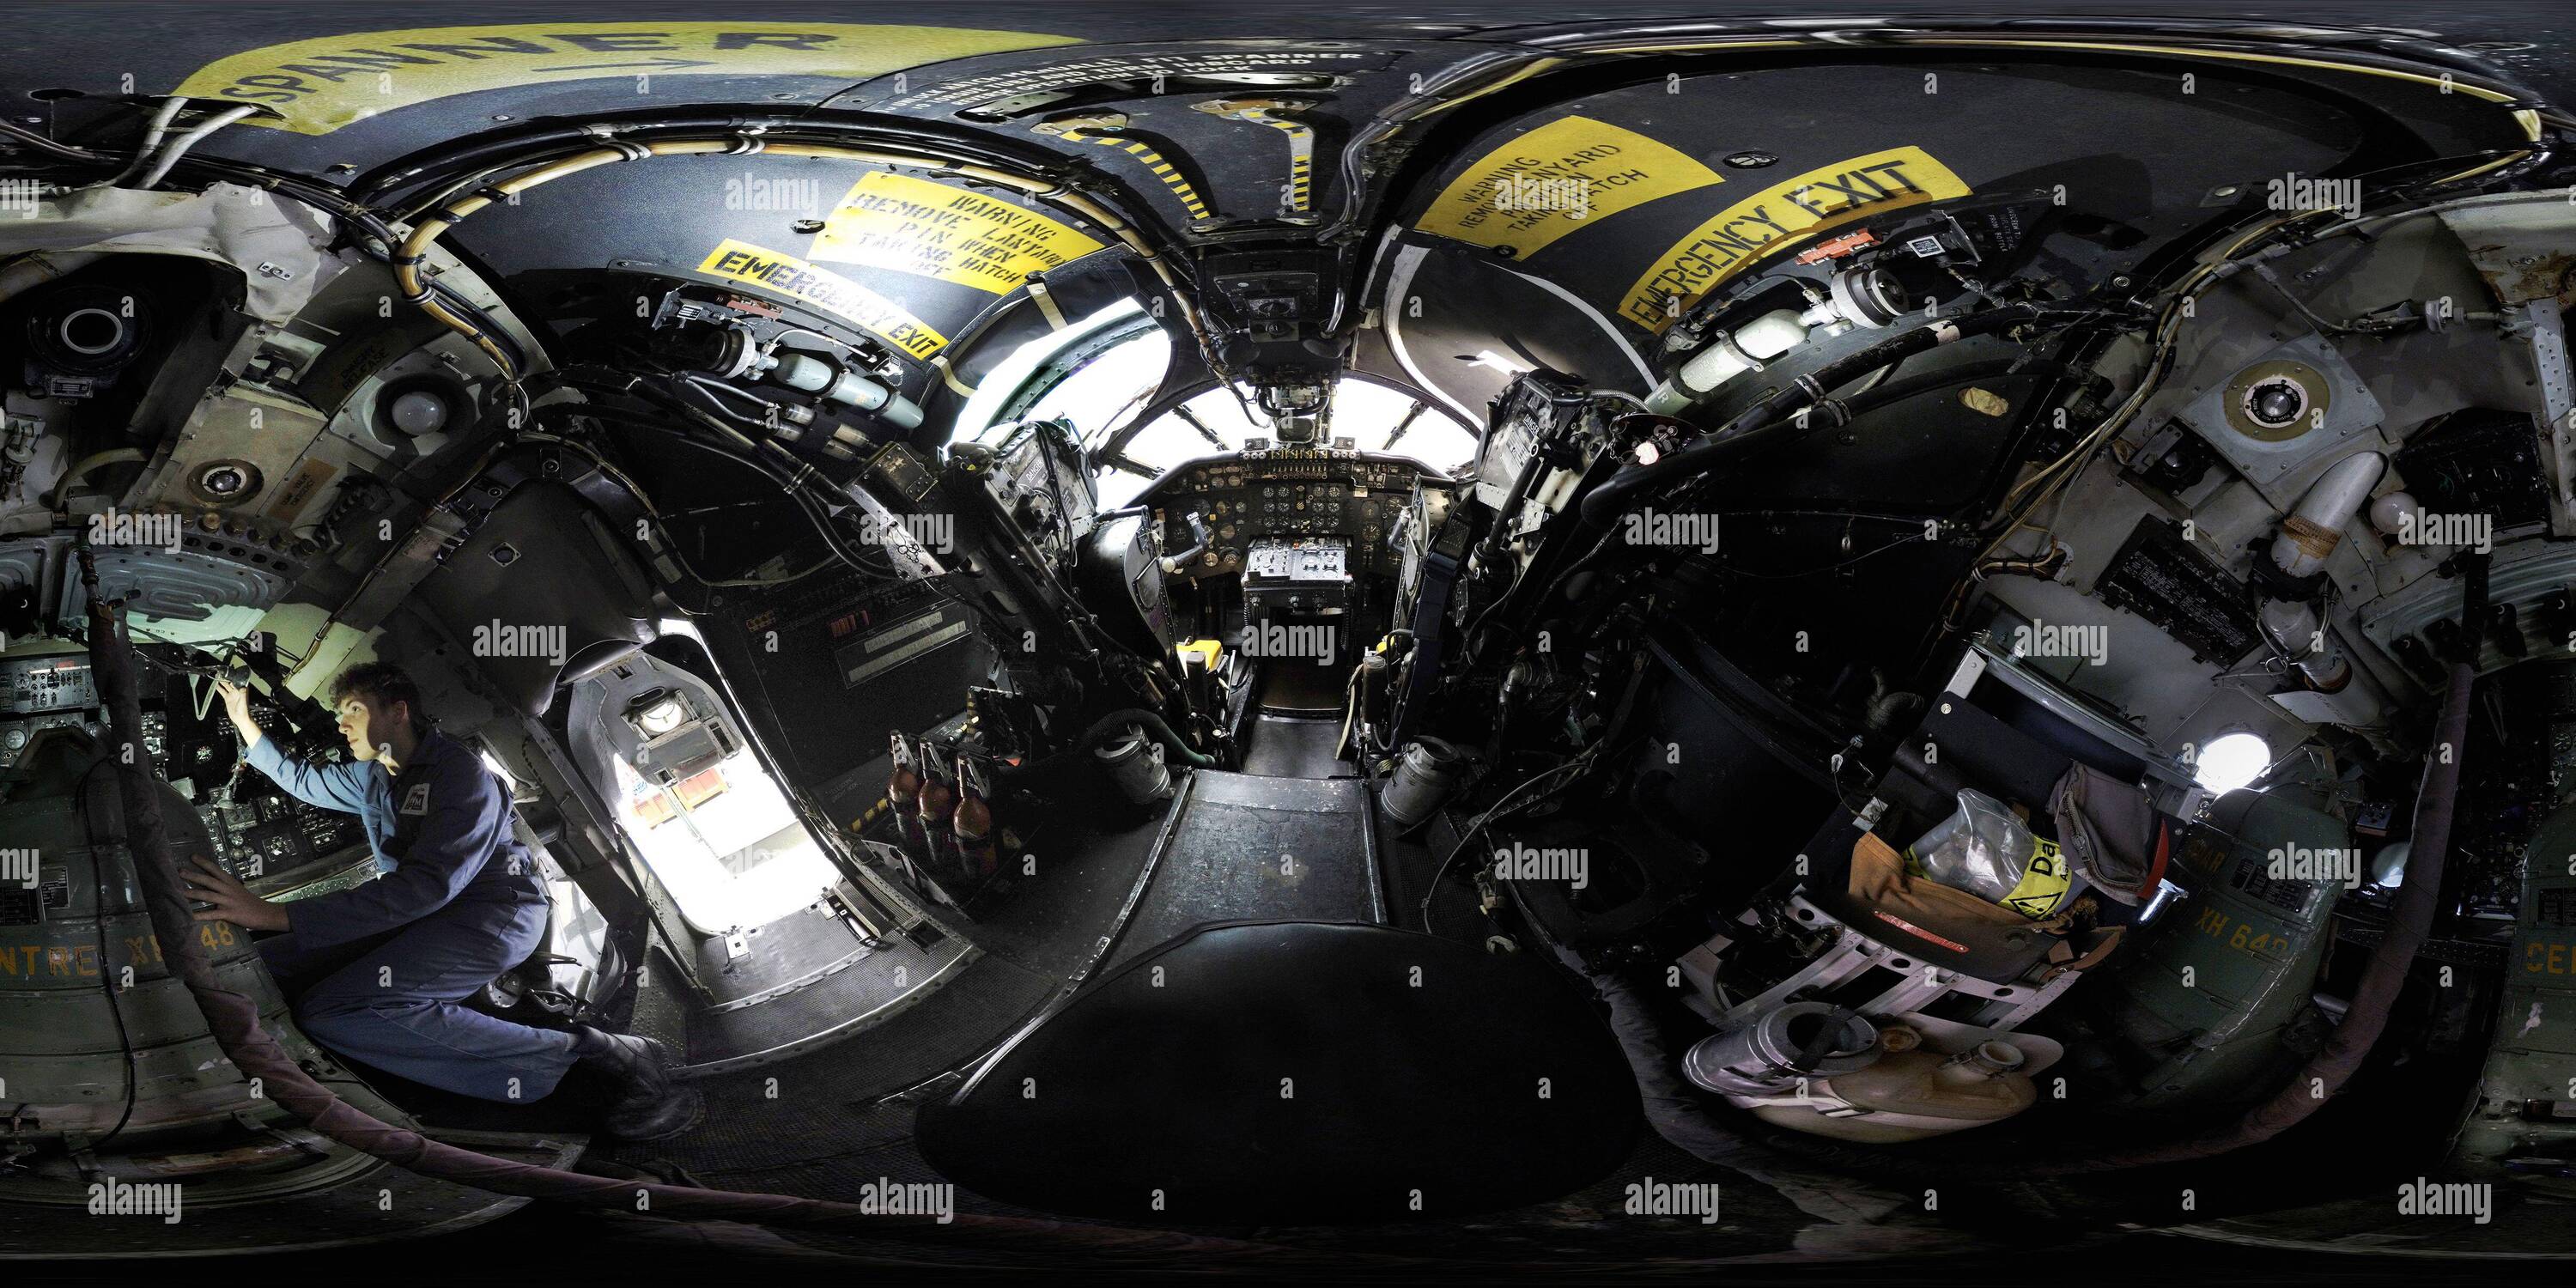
(90, 331)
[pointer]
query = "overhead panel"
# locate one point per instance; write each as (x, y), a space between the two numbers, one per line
(910, 260)
(1778, 217)
(1260, 121)
(1525, 194)
(1724, 178)
(784, 274)
(316, 86)
(895, 221)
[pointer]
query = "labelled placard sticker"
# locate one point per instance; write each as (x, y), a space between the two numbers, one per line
(1556, 179)
(825, 290)
(1779, 216)
(911, 225)
(321, 84)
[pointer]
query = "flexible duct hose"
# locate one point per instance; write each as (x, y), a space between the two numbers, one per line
(233, 1019)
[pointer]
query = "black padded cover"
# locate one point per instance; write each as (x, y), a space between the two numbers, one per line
(1297, 1073)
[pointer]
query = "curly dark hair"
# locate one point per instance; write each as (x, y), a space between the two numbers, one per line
(382, 684)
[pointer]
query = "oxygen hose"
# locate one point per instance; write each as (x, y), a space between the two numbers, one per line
(233, 1019)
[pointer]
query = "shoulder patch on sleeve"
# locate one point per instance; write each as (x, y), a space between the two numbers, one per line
(416, 801)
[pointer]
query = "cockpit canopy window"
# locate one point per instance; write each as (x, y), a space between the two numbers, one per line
(1101, 371)
(1102, 395)
(1375, 417)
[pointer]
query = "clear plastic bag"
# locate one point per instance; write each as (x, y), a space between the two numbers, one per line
(1985, 850)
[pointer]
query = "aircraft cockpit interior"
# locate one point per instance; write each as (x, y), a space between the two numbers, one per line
(1601, 640)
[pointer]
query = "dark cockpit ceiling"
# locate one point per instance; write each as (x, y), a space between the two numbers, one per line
(1664, 98)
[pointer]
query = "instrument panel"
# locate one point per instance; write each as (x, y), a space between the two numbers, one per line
(1261, 496)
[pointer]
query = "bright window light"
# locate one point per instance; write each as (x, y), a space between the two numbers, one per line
(660, 718)
(2232, 761)
(1371, 415)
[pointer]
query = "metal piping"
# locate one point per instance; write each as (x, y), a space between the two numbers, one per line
(2315, 527)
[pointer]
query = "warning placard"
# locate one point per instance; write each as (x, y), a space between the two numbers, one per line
(1741, 235)
(916, 226)
(826, 290)
(1556, 179)
(321, 84)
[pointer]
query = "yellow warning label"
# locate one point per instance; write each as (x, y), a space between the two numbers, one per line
(916, 226)
(2042, 886)
(824, 289)
(1737, 237)
(321, 84)
(1554, 179)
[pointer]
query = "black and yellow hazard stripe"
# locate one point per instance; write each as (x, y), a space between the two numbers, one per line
(1297, 198)
(1154, 162)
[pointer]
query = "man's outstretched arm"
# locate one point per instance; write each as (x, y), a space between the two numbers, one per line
(342, 787)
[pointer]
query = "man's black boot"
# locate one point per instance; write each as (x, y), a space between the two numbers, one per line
(647, 1101)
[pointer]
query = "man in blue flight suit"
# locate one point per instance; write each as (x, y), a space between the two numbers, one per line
(377, 971)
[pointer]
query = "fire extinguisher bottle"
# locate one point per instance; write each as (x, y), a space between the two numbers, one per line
(974, 822)
(903, 796)
(938, 808)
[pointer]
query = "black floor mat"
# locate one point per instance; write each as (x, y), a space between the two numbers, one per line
(1297, 1072)
(816, 1106)
(1049, 928)
(1249, 848)
(1297, 686)
(834, 1007)
(1292, 747)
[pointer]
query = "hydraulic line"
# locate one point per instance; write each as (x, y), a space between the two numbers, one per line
(153, 132)
(179, 147)
(233, 1020)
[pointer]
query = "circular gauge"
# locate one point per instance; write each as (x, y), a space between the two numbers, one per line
(2276, 401)
(226, 482)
